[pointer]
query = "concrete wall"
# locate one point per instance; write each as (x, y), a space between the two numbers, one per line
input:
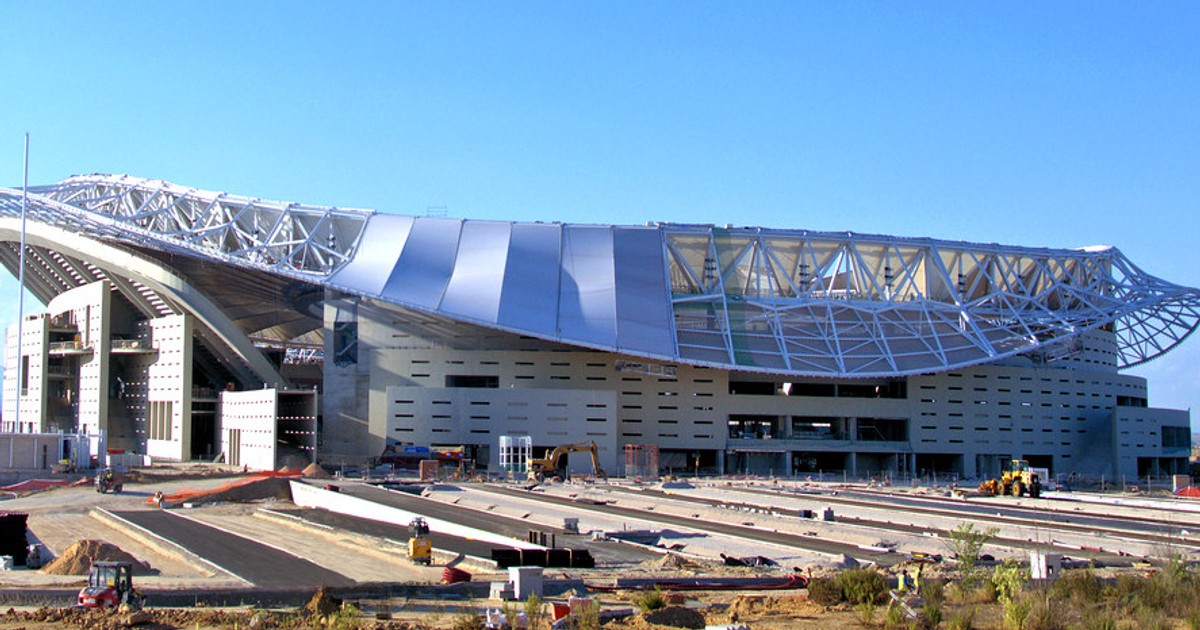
(89, 307)
(169, 390)
(40, 451)
(965, 422)
(1139, 434)
(35, 336)
(248, 428)
(80, 382)
(347, 384)
(451, 416)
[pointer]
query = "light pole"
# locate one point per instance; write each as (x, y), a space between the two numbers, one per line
(21, 287)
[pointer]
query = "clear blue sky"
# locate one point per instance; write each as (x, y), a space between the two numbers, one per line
(1060, 124)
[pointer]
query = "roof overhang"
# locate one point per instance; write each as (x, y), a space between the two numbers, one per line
(789, 302)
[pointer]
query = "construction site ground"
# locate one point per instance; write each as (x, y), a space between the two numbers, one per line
(639, 534)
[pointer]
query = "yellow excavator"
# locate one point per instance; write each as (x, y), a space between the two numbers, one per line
(552, 465)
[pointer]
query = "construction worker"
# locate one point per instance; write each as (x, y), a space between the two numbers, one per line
(902, 582)
(917, 578)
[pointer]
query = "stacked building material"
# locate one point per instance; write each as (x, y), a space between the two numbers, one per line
(12, 537)
(564, 558)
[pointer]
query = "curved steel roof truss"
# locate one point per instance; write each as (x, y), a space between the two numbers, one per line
(782, 301)
(848, 304)
(284, 237)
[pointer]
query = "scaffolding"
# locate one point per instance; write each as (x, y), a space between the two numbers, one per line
(515, 452)
(641, 462)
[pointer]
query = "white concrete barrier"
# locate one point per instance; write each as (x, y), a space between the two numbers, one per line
(306, 495)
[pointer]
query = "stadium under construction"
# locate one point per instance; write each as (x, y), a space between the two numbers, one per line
(184, 324)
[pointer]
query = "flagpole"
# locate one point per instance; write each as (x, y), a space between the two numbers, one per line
(21, 290)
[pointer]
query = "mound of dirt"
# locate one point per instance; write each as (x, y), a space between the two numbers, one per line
(175, 473)
(313, 471)
(750, 607)
(253, 488)
(671, 561)
(322, 604)
(676, 617)
(78, 558)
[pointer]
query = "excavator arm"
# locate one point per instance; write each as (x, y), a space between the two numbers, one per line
(552, 463)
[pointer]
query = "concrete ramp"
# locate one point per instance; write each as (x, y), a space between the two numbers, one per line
(306, 495)
(250, 561)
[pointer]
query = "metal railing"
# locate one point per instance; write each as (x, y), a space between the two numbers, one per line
(131, 344)
(68, 346)
(204, 393)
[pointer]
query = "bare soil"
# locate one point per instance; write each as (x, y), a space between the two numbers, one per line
(78, 558)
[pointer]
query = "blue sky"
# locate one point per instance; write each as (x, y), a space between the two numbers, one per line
(1063, 124)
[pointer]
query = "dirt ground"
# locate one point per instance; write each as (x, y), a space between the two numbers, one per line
(62, 516)
(759, 611)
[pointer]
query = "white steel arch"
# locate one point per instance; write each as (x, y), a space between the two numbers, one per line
(121, 266)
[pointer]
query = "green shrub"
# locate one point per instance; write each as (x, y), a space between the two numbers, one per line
(1043, 616)
(824, 592)
(647, 601)
(962, 620)
(1016, 611)
(467, 621)
(1102, 618)
(535, 612)
(1174, 595)
(933, 591)
(895, 617)
(860, 586)
(346, 618)
(965, 543)
(509, 610)
(1193, 621)
(1078, 587)
(1175, 569)
(1008, 579)
(1124, 592)
(587, 617)
(866, 612)
(1181, 595)
(932, 612)
(1155, 593)
(1150, 619)
(982, 593)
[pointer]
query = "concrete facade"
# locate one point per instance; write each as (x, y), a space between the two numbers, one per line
(96, 367)
(1071, 413)
(263, 429)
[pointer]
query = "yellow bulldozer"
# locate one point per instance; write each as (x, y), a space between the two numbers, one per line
(1018, 480)
(553, 464)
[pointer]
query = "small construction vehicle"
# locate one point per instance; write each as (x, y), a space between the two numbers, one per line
(110, 584)
(33, 556)
(552, 465)
(1018, 480)
(420, 548)
(107, 481)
